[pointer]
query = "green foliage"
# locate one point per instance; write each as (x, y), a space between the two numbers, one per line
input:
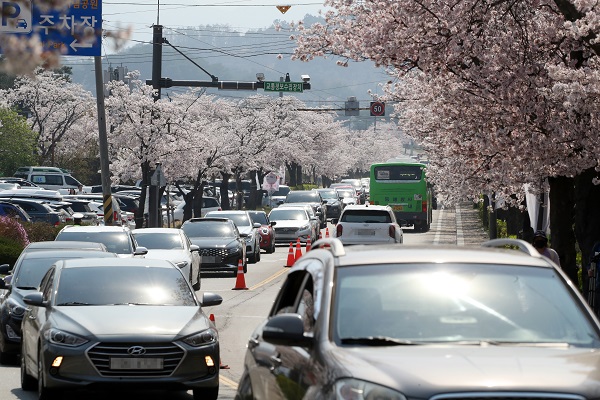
(41, 231)
(18, 142)
(10, 250)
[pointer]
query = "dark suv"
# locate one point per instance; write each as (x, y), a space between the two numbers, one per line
(38, 210)
(220, 244)
(313, 198)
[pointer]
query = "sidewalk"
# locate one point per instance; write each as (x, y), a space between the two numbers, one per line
(469, 228)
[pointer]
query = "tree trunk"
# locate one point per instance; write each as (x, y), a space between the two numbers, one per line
(562, 207)
(253, 191)
(587, 218)
(139, 215)
(224, 190)
(291, 167)
(299, 175)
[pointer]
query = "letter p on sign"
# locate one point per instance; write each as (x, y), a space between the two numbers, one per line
(16, 16)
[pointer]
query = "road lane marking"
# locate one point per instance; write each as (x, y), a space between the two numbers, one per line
(438, 232)
(269, 279)
(460, 237)
(226, 381)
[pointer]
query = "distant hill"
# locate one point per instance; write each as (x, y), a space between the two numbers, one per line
(236, 56)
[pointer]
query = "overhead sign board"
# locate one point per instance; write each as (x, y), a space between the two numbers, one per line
(75, 30)
(277, 86)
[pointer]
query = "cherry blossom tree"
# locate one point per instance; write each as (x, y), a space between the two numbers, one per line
(57, 110)
(501, 93)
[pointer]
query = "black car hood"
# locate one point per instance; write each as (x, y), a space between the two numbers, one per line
(204, 242)
(423, 371)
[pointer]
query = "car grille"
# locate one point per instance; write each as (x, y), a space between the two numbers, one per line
(285, 230)
(101, 353)
(214, 252)
(507, 396)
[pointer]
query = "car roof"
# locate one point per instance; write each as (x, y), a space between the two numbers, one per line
(117, 262)
(97, 228)
(65, 244)
(69, 253)
(217, 212)
(439, 254)
(155, 230)
(213, 219)
(367, 207)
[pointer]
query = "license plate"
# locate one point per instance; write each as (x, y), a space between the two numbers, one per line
(365, 232)
(209, 259)
(397, 207)
(136, 363)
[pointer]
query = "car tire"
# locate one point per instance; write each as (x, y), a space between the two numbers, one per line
(257, 256)
(28, 382)
(271, 249)
(210, 393)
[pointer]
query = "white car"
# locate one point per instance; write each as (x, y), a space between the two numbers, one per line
(117, 239)
(367, 224)
(293, 223)
(176, 214)
(171, 244)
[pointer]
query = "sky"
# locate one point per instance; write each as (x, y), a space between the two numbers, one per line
(240, 15)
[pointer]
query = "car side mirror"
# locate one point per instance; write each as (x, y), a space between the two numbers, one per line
(35, 299)
(140, 251)
(334, 221)
(256, 225)
(5, 269)
(210, 299)
(273, 223)
(194, 247)
(286, 330)
(244, 235)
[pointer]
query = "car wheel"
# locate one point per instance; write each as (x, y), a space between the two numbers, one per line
(257, 256)
(28, 382)
(271, 249)
(44, 393)
(195, 286)
(211, 393)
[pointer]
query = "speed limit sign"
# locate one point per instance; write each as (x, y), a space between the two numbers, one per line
(377, 108)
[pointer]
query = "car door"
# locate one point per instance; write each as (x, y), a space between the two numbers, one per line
(33, 320)
(274, 371)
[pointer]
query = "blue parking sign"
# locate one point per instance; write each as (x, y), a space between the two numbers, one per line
(74, 31)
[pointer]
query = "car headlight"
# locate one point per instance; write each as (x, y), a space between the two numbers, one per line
(206, 337)
(56, 336)
(354, 389)
(15, 309)
(181, 264)
(234, 250)
(305, 227)
(264, 231)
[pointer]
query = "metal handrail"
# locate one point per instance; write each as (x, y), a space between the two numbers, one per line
(521, 244)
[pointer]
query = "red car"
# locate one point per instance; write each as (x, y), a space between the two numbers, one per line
(266, 231)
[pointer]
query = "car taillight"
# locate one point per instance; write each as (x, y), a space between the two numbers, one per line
(424, 206)
(115, 216)
(338, 230)
(392, 231)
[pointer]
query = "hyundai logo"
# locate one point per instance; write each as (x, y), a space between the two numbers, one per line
(136, 351)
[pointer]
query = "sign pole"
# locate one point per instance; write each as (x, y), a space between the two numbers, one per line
(103, 144)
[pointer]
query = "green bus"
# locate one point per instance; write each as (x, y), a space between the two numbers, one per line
(404, 187)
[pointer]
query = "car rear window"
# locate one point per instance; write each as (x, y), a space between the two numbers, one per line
(303, 197)
(115, 242)
(208, 229)
(366, 216)
(162, 241)
(260, 218)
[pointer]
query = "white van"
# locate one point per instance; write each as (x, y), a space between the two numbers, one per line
(49, 178)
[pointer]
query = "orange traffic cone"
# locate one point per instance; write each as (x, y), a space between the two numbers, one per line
(212, 318)
(290, 259)
(308, 244)
(320, 235)
(326, 232)
(298, 249)
(240, 282)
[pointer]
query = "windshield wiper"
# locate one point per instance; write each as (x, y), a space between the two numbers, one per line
(504, 343)
(27, 287)
(378, 341)
(75, 303)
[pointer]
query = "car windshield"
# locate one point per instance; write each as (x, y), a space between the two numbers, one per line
(345, 193)
(32, 270)
(289, 214)
(454, 303)
(115, 242)
(238, 219)
(282, 191)
(208, 229)
(130, 286)
(303, 197)
(328, 194)
(367, 216)
(159, 241)
(260, 218)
